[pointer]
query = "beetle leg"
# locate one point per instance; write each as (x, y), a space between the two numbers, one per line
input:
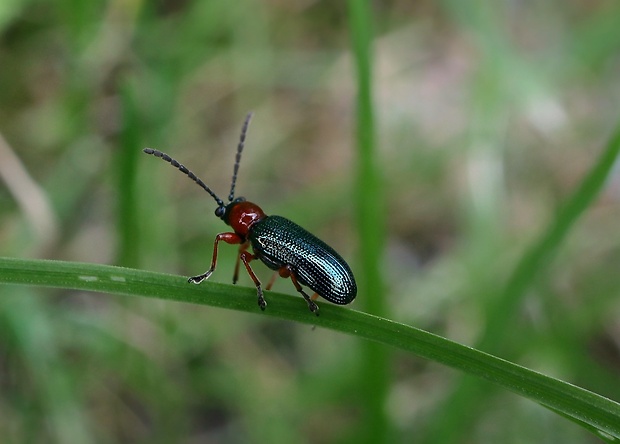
(272, 281)
(287, 272)
(229, 238)
(246, 257)
(244, 246)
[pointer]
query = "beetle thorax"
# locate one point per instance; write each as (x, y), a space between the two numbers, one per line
(242, 215)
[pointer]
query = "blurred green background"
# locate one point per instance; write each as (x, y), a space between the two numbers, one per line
(488, 116)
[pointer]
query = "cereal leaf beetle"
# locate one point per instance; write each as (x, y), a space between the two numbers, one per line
(279, 243)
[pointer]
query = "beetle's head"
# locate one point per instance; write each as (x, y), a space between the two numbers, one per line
(223, 211)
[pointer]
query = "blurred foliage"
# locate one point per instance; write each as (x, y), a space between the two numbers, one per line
(488, 116)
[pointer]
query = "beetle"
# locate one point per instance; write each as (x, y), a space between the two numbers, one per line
(280, 244)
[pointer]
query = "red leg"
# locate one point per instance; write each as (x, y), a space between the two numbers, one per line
(229, 238)
(272, 281)
(287, 272)
(244, 246)
(246, 257)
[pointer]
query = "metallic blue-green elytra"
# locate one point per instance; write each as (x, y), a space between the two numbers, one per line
(278, 242)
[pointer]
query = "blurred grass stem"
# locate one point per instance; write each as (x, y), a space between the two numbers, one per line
(371, 225)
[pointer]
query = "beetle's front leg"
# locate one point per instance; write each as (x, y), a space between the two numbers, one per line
(229, 238)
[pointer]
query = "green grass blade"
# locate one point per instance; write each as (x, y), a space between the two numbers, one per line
(580, 405)
(535, 259)
(533, 262)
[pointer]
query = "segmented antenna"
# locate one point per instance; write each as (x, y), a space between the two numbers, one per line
(244, 130)
(184, 169)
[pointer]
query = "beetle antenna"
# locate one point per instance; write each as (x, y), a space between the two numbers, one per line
(184, 169)
(244, 130)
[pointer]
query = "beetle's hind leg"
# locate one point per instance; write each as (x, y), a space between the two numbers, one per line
(287, 272)
(311, 304)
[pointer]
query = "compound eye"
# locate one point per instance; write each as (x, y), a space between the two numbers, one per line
(240, 199)
(219, 211)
